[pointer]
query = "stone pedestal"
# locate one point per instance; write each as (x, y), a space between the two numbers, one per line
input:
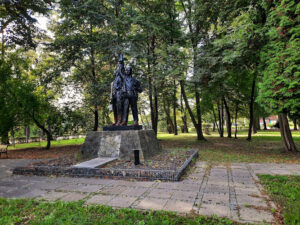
(120, 144)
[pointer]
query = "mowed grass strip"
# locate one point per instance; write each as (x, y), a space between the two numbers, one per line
(43, 144)
(21, 211)
(285, 191)
(262, 149)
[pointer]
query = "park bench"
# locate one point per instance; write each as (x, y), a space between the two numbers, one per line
(3, 150)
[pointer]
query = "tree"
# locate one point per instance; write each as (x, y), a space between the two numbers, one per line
(86, 43)
(17, 22)
(281, 80)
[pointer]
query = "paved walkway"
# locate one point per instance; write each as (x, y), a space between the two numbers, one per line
(226, 191)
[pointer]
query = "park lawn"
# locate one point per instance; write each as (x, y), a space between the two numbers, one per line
(43, 144)
(27, 211)
(285, 191)
(261, 149)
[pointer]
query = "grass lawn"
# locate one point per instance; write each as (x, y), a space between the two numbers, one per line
(260, 150)
(285, 191)
(43, 144)
(20, 211)
(266, 146)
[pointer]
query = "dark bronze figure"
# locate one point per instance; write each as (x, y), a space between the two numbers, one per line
(131, 88)
(124, 93)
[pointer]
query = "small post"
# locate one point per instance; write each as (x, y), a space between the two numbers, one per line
(136, 157)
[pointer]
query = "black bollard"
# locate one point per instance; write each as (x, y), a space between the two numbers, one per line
(136, 157)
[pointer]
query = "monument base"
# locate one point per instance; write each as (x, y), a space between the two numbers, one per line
(114, 128)
(122, 144)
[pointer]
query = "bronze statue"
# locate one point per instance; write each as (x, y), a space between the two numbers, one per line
(124, 93)
(131, 88)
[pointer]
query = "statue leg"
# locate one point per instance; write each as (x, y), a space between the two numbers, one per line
(115, 111)
(133, 103)
(119, 108)
(125, 111)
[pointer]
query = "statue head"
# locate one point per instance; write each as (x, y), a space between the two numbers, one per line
(128, 70)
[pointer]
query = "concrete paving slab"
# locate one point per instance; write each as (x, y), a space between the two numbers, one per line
(246, 200)
(250, 214)
(218, 199)
(160, 193)
(52, 196)
(46, 186)
(94, 163)
(81, 188)
(96, 181)
(196, 176)
(211, 209)
(224, 192)
(247, 191)
(122, 202)
(115, 190)
(33, 193)
(188, 196)
(145, 184)
(73, 197)
(100, 199)
(188, 186)
(178, 206)
(212, 188)
(152, 204)
(136, 192)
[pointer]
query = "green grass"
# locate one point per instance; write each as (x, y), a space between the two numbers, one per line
(20, 211)
(285, 191)
(44, 143)
(266, 146)
(261, 149)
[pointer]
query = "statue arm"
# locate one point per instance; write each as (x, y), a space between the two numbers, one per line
(138, 87)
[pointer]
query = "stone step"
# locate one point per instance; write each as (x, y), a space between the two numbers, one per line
(97, 162)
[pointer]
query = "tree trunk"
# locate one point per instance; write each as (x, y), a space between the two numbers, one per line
(228, 119)
(236, 115)
(152, 90)
(265, 124)
(215, 121)
(174, 109)
(5, 139)
(214, 127)
(13, 137)
(252, 98)
(295, 124)
(184, 118)
(286, 135)
(199, 116)
(221, 120)
(258, 123)
(197, 127)
(168, 116)
(156, 109)
(27, 133)
(254, 128)
(96, 118)
(43, 128)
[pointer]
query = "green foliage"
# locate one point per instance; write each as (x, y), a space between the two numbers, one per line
(285, 190)
(18, 22)
(280, 89)
(32, 212)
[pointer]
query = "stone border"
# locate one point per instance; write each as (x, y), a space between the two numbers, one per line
(107, 173)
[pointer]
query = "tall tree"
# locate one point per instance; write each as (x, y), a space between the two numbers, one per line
(281, 80)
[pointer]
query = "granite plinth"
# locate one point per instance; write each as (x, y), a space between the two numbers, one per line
(115, 128)
(121, 144)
